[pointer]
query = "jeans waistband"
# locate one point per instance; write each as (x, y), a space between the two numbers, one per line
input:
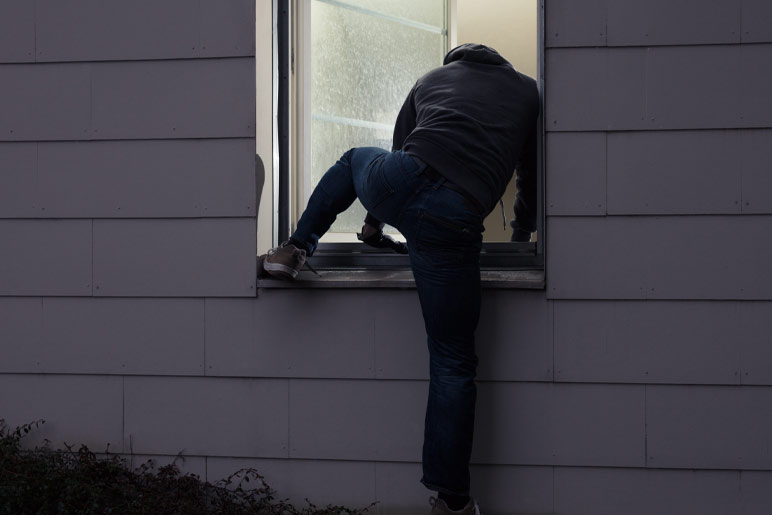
(434, 175)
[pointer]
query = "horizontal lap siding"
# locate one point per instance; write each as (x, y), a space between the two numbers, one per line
(516, 423)
(684, 257)
(675, 342)
(191, 98)
(688, 172)
(176, 29)
(117, 336)
(369, 334)
(180, 257)
(658, 88)
(586, 23)
(45, 257)
(658, 200)
(204, 416)
(76, 409)
(99, 124)
(17, 31)
(128, 179)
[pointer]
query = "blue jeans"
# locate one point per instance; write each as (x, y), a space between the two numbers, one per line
(444, 237)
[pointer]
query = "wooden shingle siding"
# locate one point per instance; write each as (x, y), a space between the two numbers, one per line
(657, 342)
(241, 335)
(178, 257)
(147, 179)
(674, 172)
(755, 157)
(119, 336)
(637, 383)
(576, 184)
(357, 420)
(673, 22)
(662, 88)
(678, 257)
(574, 24)
(142, 29)
(607, 424)
(756, 21)
(45, 101)
(685, 424)
(78, 410)
(174, 99)
(17, 31)
(18, 168)
(606, 93)
(20, 330)
(45, 257)
(206, 416)
(128, 179)
(617, 23)
(381, 336)
(613, 491)
(401, 347)
(128, 100)
(706, 172)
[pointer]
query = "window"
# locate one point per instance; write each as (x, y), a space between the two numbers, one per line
(344, 69)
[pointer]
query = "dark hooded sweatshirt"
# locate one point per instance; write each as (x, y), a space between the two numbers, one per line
(473, 120)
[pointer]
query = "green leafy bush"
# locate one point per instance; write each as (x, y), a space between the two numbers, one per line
(66, 481)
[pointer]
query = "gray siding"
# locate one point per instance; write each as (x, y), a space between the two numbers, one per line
(127, 272)
(116, 143)
(658, 117)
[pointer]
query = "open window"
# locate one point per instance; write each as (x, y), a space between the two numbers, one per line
(342, 71)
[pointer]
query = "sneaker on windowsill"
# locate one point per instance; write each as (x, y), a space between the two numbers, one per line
(440, 508)
(284, 261)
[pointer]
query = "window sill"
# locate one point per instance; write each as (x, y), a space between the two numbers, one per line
(403, 279)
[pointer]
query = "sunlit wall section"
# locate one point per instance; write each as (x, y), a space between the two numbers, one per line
(509, 26)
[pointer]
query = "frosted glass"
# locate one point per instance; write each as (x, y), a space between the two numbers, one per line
(430, 12)
(362, 68)
(330, 141)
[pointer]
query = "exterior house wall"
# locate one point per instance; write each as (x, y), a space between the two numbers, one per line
(637, 382)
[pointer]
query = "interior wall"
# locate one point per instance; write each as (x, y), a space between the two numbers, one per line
(509, 26)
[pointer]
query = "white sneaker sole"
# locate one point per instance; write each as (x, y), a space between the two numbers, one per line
(279, 270)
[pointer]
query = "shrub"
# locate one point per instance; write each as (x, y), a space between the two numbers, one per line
(66, 481)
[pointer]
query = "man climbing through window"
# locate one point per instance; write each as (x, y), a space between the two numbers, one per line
(458, 138)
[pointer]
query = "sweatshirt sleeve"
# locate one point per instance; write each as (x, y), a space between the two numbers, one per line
(406, 121)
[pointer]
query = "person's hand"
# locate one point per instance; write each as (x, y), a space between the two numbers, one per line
(520, 235)
(375, 237)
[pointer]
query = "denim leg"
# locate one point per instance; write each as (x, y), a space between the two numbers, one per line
(445, 262)
(334, 193)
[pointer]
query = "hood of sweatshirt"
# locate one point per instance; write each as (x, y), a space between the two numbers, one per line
(476, 53)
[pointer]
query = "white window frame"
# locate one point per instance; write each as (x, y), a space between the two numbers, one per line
(499, 255)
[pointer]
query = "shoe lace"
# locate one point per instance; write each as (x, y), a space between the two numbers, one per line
(312, 268)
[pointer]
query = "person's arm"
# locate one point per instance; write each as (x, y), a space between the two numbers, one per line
(525, 200)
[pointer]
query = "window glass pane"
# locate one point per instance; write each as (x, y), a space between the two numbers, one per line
(429, 12)
(362, 68)
(330, 140)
